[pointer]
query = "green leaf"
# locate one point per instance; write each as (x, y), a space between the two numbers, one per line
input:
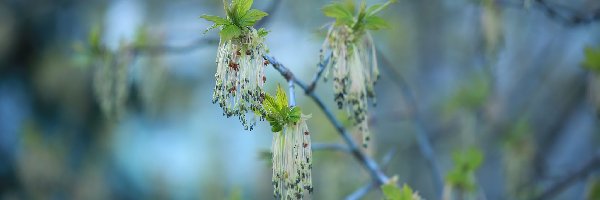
(262, 32)
(592, 59)
(340, 12)
(230, 31)
(251, 17)
(276, 127)
(391, 191)
(465, 164)
(216, 19)
(294, 114)
(407, 193)
(281, 97)
(374, 9)
(375, 23)
(94, 38)
(243, 6)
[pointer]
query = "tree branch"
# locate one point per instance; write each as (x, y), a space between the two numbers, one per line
(571, 20)
(371, 166)
(423, 142)
(364, 190)
(591, 166)
(333, 147)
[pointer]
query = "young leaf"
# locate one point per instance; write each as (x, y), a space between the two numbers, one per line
(339, 12)
(251, 17)
(243, 6)
(216, 19)
(391, 191)
(375, 23)
(294, 114)
(262, 32)
(230, 31)
(282, 100)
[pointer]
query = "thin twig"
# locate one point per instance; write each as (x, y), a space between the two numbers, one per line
(361, 192)
(321, 67)
(423, 142)
(364, 190)
(366, 161)
(591, 166)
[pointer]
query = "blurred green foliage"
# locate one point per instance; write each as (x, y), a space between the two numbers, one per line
(391, 191)
(592, 59)
(462, 176)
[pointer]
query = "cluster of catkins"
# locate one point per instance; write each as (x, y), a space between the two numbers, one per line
(353, 65)
(292, 162)
(240, 77)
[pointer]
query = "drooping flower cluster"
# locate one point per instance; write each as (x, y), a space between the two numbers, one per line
(292, 161)
(355, 72)
(240, 64)
(240, 77)
(353, 61)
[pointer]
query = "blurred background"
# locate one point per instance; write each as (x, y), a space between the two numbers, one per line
(497, 85)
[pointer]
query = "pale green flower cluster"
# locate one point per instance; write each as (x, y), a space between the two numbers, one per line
(240, 77)
(292, 161)
(354, 70)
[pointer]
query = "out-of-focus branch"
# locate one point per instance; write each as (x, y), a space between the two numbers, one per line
(560, 13)
(370, 165)
(423, 142)
(589, 167)
(364, 190)
(361, 192)
(572, 19)
(333, 147)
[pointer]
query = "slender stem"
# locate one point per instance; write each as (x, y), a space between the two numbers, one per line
(364, 190)
(589, 167)
(321, 67)
(366, 161)
(361, 192)
(423, 142)
(292, 99)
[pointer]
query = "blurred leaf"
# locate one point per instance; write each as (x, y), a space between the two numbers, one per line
(466, 163)
(262, 32)
(593, 191)
(94, 38)
(392, 192)
(375, 23)
(471, 95)
(592, 59)
(141, 36)
(236, 194)
(339, 12)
